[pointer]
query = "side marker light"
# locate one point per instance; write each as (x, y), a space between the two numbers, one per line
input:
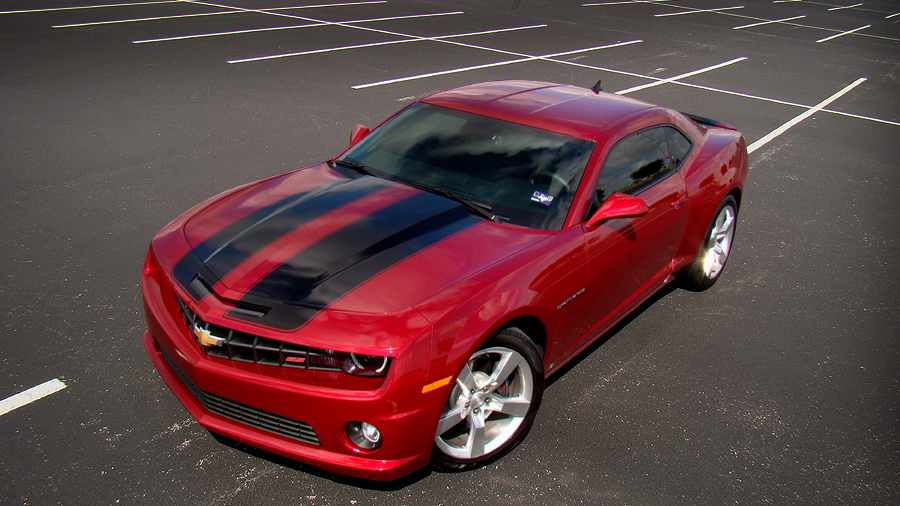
(437, 384)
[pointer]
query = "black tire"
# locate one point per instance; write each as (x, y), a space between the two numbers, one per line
(713, 254)
(517, 388)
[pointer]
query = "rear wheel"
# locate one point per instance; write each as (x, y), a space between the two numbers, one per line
(492, 404)
(710, 261)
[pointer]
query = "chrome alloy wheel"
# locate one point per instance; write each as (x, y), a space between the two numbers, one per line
(720, 239)
(489, 402)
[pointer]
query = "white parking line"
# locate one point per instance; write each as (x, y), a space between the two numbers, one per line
(767, 22)
(809, 112)
(628, 2)
(488, 65)
(681, 76)
(785, 102)
(30, 395)
(845, 7)
(291, 27)
(385, 43)
(201, 14)
(135, 20)
(101, 6)
(695, 11)
(892, 15)
(725, 12)
(844, 33)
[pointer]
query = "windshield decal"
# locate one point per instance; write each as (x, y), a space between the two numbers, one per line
(542, 198)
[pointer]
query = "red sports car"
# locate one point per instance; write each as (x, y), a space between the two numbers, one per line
(402, 304)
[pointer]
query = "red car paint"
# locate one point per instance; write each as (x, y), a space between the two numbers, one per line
(432, 309)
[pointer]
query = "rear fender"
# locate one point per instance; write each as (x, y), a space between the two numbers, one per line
(714, 176)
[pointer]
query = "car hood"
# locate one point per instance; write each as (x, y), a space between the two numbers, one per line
(285, 248)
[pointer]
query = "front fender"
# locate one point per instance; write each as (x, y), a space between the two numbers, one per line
(471, 324)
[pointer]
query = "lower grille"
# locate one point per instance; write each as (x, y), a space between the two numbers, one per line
(244, 414)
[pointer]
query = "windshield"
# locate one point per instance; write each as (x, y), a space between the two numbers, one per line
(526, 176)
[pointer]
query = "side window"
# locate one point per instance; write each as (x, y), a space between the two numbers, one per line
(679, 145)
(633, 163)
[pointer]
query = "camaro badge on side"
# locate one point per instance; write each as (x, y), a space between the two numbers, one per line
(205, 337)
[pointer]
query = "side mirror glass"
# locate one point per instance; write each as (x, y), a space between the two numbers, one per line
(358, 133)
(619, 205)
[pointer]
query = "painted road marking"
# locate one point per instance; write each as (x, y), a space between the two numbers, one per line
(809, 112)
(724, 12)
(385, 43)
(695, 11)
(488, 65)
(89, 7)
(681, 76)
(628, 2)
(201, 14)
(845, 7)
(844, 33)
(135, 20)
(291, 27)
(784, 102)
(767, 22)
(30, 395)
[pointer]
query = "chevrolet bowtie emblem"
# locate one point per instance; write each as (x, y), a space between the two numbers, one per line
(205, 337)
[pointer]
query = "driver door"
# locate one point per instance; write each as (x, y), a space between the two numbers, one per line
(627, 258)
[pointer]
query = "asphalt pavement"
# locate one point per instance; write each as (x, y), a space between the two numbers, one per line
(779, 385)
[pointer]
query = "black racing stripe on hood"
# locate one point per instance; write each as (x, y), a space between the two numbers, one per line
(327, 270)
(226, 249)
(186, 272)
(279, 222)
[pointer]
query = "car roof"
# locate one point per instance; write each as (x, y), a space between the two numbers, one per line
(566, 109)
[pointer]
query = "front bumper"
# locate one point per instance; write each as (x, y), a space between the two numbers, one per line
(365, 465)
(301, 421)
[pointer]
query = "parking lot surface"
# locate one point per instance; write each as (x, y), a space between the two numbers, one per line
(779, 385)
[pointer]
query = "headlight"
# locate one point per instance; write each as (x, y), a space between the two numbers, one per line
(366, 365)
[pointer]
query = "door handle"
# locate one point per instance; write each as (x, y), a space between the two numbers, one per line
(679, 199)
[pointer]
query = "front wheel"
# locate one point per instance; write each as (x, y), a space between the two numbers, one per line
(714, 253)
(492, 404)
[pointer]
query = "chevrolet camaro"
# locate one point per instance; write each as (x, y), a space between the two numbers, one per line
(402, 304)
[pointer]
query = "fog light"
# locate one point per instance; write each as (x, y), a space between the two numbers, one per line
(364, 435)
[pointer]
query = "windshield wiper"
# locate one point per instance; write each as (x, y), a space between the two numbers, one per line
(358, 167)
(480, 208)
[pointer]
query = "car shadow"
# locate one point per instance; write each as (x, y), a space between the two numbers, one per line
(387, 486)
(609, 334)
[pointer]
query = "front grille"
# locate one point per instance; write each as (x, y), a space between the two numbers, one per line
(245, 414)
(244, 347)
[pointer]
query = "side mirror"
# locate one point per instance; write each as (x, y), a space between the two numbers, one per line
(358, 133)
(619, 205)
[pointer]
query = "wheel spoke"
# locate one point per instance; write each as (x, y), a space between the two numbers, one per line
(504, 368)
(466, 381)
(450, 419)
(475, 444)
(726, 224)
(512, 406)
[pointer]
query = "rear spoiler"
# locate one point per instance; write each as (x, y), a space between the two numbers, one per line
(709, 122)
